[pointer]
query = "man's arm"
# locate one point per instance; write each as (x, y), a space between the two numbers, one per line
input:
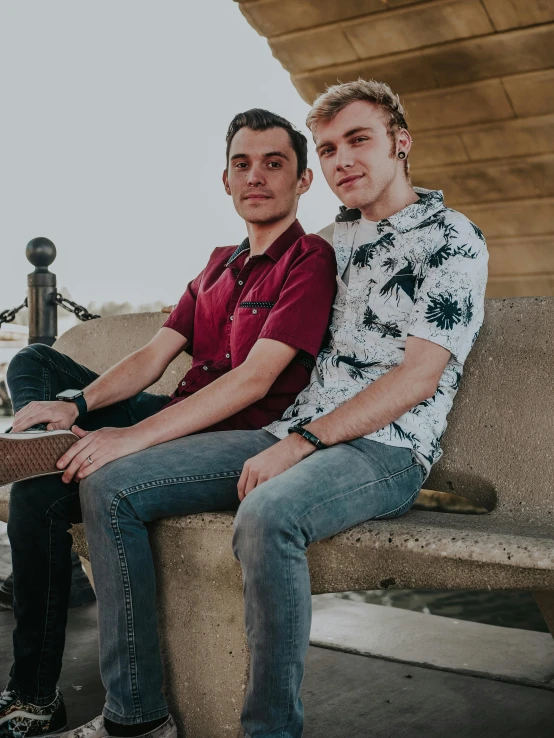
(384, 401)
(127, 378)
(137, 371)
(224, 397)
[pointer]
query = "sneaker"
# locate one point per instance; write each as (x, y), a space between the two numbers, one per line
(19, 719)
(32, 453)
(97, 729)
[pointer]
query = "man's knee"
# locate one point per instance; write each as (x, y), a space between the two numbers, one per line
(101, 493)
(32, 354)
(262, 521)
(39, 502)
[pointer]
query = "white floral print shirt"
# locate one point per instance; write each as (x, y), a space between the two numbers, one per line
(424, 276)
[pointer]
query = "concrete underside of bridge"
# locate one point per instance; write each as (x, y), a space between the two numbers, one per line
(477, 80)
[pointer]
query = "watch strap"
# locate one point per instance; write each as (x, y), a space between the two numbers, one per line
(314, 440)
(81, 404)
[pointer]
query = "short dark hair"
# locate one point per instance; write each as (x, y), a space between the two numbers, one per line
(262, 120)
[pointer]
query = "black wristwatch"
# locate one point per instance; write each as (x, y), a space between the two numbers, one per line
(314, 440)
(76, 396)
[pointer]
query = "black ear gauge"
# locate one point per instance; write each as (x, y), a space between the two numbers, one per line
(401, 154)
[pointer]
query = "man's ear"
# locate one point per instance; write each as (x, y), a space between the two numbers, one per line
(403, 141)
(305, 182)
(225, 179)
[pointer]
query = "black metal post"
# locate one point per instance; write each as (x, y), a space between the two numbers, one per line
(43, 311)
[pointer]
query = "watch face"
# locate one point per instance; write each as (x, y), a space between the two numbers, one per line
(69, 394)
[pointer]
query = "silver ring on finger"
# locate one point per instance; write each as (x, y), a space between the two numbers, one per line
(89, 460)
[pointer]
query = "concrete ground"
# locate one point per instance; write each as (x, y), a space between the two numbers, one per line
(345, 695)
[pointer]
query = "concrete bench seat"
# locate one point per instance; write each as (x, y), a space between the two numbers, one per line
(498, 453)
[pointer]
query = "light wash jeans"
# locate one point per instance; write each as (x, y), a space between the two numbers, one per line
(330, 491)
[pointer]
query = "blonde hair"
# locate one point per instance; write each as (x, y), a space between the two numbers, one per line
(338, 97)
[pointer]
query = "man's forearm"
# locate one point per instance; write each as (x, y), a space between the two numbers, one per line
(127, 378)
(375, 407)
(224, 397)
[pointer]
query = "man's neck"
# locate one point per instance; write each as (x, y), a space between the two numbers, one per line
(392, 201)
(262, 235)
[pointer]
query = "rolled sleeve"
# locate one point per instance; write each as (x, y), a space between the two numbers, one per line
(181, 318)
(301, 315)
(449, 307)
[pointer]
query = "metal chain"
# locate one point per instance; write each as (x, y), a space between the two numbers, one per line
(72, 307)
(8, 316)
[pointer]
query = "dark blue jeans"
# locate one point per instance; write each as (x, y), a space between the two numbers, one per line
(42, 511)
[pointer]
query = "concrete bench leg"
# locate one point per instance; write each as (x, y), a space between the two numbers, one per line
(88, 570)
(201, 616)
(545, 601)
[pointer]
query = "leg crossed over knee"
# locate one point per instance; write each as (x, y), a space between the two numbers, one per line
(33, 353)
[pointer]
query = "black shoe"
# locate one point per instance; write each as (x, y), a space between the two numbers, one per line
(20, 719)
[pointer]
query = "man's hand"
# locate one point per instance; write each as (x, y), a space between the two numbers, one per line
(101, 446)
(272, 462)
(58, 415)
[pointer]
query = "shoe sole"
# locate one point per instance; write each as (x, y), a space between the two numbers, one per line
(26, 456)
(8, 734)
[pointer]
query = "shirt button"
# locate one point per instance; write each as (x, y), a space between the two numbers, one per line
(205, 368)
(227, 356)
(183, 384)
(254, 311)
(230, 317)
(241, 282)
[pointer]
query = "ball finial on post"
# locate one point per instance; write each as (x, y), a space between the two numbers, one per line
(41, 252)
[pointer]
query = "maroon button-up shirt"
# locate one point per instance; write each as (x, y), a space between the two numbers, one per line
(284, 294)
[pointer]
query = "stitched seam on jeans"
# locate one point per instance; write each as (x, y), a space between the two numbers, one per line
(351, 491)
(60, 499)
(47, 608)
(129, 615)
(46, 383)
(144, 716)
(396, 509)
(179, 480)
(293, 639)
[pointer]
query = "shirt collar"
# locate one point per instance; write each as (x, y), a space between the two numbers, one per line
(429, 203)
(277, 248)
(244, 246)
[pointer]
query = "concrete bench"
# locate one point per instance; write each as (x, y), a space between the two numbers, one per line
(499, 453)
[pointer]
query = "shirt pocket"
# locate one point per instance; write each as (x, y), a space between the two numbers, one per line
(249, 320)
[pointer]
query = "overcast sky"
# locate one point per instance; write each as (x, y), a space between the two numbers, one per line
(113, 121)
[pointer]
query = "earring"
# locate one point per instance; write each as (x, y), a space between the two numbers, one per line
(401, 154)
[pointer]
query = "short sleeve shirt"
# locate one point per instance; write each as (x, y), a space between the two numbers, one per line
(423, 274)
(284, 294)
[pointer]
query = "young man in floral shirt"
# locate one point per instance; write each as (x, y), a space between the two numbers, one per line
(355, 445)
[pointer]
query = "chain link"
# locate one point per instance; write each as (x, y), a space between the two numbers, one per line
(72, 307)
(8, 316)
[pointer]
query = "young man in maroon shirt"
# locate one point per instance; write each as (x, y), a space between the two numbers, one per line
(244, 319)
